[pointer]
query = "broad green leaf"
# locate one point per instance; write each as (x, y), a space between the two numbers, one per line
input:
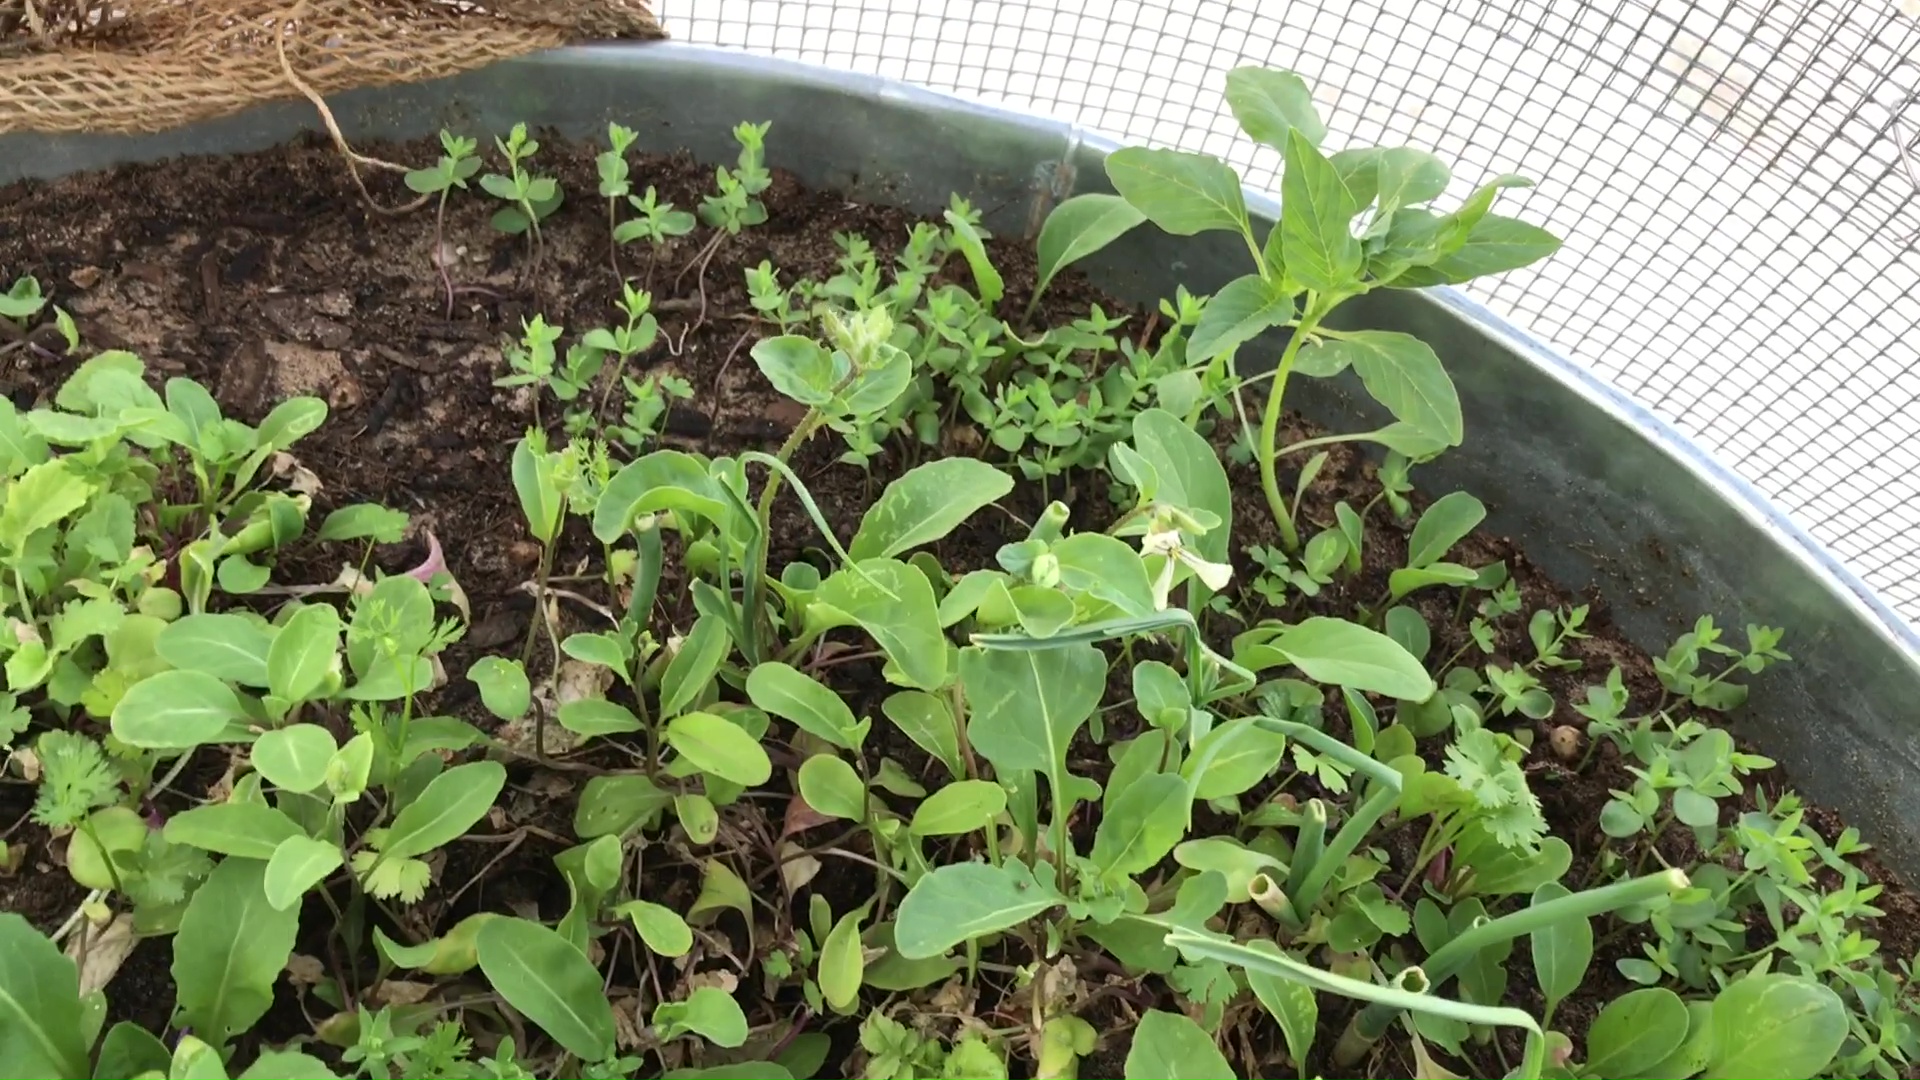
(894, 973)
(1079, 227)
(292, 420)
(1494, 245)
(541, 500)
(175, 710)
(286, 1065)
(230, 950)
(1447, 522)
(1696, 1050)
(128, 1050)
(593, 717)
(1403, 374)
(832, 788)
(1636, 1031)
(692, 668)
(611, 805)
(842, 963)
(550, 982)
(1316, 220)
(1105, 568)
(894, 604)
(1170, 1046)
(1144, 823)
(698, 816)
(41, 1033)
(965, 901)
(720, 890)
(1242, 755)
(43, 495)
(1025, 706)
(716, 745)
(662, 480)
(245, 830)
(1406, 580)
(925, 505)
(709, 1012)
(1237, 314)
(928, 721)
(453, 954)
(606, 650)
(782, 690)
(1561, 951)
(799, 367)
(988, 285)
(20, 448)
(503, 684)
(1190, 473)
(1409, 177)
(229, 647)
(1160, 695)
(961, 807)
(1342, 653)
(1775, 1025)
(1232, 860)
(445, 810)
(365, 521)
(1291, 1003)
(294, 758)
(1270, 103)
(306, 648)
(1183, 193)
(298, 864)
(112, 831)
(664, 931)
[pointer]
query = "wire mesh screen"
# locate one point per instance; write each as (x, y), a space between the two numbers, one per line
(1733, 180)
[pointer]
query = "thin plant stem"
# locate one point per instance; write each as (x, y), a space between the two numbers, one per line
(1270, 429)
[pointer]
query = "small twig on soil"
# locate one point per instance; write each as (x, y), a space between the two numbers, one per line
(519, 836)
(737, 342)
(78, 914)
(333, 129)
(602, 610)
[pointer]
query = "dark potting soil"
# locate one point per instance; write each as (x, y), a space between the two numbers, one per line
(265, 276)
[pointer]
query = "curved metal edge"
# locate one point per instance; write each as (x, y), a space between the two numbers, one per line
(1579, 474)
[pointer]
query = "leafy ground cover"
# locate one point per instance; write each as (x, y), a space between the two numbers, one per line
(627, 618)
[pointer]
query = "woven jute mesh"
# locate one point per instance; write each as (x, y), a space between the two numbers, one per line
(149, 65)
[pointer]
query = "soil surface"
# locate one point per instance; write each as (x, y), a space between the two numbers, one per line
(265, 276)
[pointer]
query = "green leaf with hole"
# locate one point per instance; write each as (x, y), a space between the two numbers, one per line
(832, 788)
(1079, 227)
(612, 805)
(503, 684)
(1183, 193)
(175, 710)
(230, 950)
(41, 1029)
(960, 807)
(1238, 313)
(451, 804)
(716, 745)
(1635, 1032)
(230, 647)
(1170, 1046)
(664, 931)
(893, 602)
(294, 758)
(307, 647)
(246, 830)
(1269, 104)
(1775, 1025)
(550, 982)
(784, 691)
(1342, 653)
(966, 901)
(298, 864)
(925, 505)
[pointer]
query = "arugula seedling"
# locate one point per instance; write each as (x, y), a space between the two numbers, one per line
(625, 342)
(613, 169)
(531, 198)
(456, 166)
(735, 204)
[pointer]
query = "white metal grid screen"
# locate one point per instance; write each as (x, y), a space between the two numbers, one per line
(1734, 180)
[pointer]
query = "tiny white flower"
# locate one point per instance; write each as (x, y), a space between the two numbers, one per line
(1166, 542)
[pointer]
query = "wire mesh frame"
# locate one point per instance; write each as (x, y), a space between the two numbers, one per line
(1736, 181)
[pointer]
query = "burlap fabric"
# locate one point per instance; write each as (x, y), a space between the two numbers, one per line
(149, 65)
